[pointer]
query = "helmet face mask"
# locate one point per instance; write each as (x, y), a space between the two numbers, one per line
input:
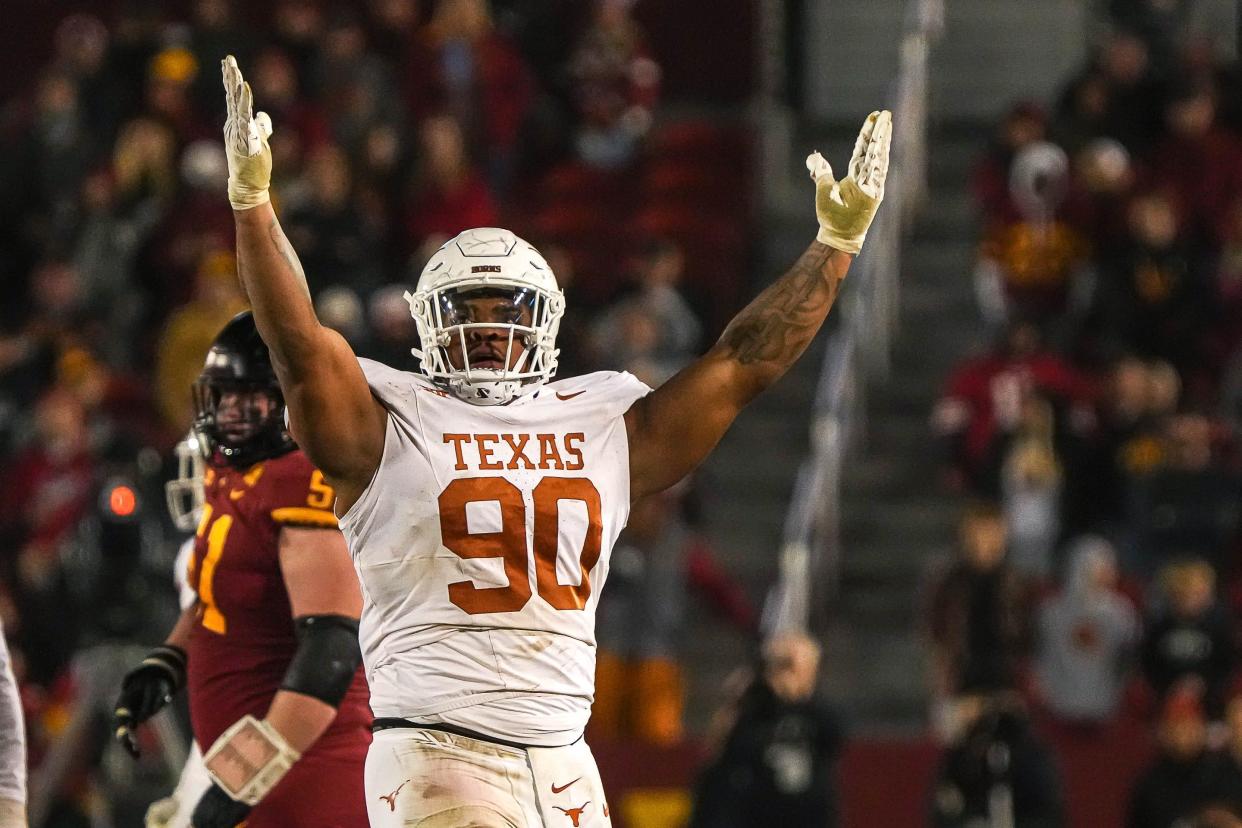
(238, 407)
(237, 420)
(487, 311)
(184, 493)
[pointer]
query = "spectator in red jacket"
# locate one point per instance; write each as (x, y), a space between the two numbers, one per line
(277, 85)
(461, 64)
(616, 85)
(985, 393)
(1198, 162)
(449, 193)
(1025, 124)
(48, 488)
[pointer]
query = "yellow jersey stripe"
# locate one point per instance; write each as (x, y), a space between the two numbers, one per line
(304, 515)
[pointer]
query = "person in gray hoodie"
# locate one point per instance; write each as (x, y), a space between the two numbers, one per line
(1087, 634)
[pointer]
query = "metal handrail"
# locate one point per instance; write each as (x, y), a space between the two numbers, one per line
(858, 349)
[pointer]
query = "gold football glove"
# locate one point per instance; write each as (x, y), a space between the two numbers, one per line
(845, 208)
(245, 142)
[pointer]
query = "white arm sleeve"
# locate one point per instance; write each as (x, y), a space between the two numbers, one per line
(12, 732)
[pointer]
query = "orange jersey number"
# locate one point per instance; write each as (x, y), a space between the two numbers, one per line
(509, 543)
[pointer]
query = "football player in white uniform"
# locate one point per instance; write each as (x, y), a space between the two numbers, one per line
(185, 498)
(481, 502)
(12, 745)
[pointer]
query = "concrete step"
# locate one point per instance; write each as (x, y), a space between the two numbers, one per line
(872, 476)
(740, 469)
(711, 652)
(950, 255)
(952, 153)
(876, 676)
(898, 484)
(902, 396)
(894, 432)
(947, 217)
(932, 304)
(1028, 49)
(956, 340)
(878, 606)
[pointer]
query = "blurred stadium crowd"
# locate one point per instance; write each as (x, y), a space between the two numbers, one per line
(1099, 577)
(397, 124)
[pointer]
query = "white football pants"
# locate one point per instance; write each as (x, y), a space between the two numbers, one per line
(431, 779)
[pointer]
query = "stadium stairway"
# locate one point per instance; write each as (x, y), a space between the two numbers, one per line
(894, 514)
(896, 517)
(747, 483)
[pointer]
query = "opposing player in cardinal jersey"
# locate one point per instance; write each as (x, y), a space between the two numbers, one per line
(481, 502)
(269, 649)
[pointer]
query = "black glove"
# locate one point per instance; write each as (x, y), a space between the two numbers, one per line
(146, 689)
(216, 809)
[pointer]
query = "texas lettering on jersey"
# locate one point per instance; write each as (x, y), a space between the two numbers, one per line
(496, 452)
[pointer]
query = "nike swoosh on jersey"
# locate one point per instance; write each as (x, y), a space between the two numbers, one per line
(561, 396)
(555, 789)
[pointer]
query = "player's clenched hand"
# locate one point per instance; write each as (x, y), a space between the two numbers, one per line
(146, 689)
(845, 208)
(245, 141)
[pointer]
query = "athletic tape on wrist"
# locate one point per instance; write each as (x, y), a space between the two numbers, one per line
(249, 759)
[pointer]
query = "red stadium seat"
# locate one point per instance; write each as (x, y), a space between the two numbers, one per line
(702, 140)
(713, 186)
(575, 181)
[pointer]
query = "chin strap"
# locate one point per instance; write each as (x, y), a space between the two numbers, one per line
(249, 759)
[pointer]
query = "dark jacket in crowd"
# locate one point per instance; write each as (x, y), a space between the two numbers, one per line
(776, 768)
(1175, 649)
(982, 623)
(998, 754)
(1173, 790)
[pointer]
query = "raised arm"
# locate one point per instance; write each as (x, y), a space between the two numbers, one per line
(672, 429)
(332, 414)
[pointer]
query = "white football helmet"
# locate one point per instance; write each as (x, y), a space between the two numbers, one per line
(184, 493)
(487, 262)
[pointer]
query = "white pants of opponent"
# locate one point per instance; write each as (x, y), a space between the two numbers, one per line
(418, 778)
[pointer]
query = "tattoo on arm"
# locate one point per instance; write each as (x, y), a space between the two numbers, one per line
(777, 326)
(287, 253)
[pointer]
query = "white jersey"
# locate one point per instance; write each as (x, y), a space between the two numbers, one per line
(12, 732)
(482, 544)
(186, 596)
